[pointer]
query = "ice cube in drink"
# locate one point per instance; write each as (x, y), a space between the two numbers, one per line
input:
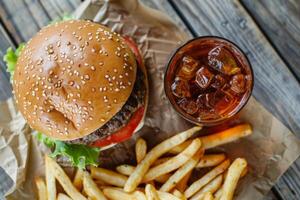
(204, 77)
(180, 88)
(188, 105)
(222, 60)
(188, 68)
(238, 83)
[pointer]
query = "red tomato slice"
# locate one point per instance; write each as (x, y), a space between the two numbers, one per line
(124, 133)
(132, 45)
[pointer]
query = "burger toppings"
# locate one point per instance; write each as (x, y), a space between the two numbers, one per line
(78, 83)
(78, 155)
(123, 124)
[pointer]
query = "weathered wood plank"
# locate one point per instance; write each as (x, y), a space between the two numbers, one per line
(280, 20)
(32, 15)
(5, 87)
(275, 86)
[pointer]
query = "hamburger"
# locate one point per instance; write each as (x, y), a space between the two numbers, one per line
(82, 87)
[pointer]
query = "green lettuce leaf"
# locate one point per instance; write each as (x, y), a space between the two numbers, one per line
(79, 155)
(11, 58)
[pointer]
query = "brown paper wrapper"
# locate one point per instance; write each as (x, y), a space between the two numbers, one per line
(270, 150)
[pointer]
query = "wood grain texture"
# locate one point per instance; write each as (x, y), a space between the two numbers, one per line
(32, 15)
(280, 20)
(5, 87)
(275, 86)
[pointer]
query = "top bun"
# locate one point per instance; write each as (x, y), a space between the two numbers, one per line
(73, 77)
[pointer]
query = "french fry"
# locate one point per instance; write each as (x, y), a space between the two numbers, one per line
(41, 187)
(178, 194)
(234, 173)
(182, 184)
(91, 188)
(229, 135)
(100, 182)
(197, 185)
(166, 196)
(151, 192)
(160, 161)
(140, 149)
(108, 176)
(62, 196)
(181, 172)
(64, 180)
(211, 160)
(208, 196)
(173, 163)
(78, 179)
(125, 169)
(244, 172)
(217, 139)
(162, 178)
(128, 169)
(50, 181)
(181, 147)
(212, 187)
(116, 194)
(218, 193)
(136, 177)
(139, 195)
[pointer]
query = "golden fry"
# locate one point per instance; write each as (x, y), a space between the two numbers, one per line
(140, 149)
(212, 187)
(78, 179)
(139, 195)
(160, 161)
(197, 185)
(181, 172)
(226, 136)
(64, 180)
(41, 187)
(136, 177)
(182, 184)
(108, 176)
(234, 173)
(178, 194)
(62, 196)
(217, 139)
(50, 181)
(116, 194)
(211, 160)
(208, 196)
(173, 163)
(162, 178)
(151, 192)
(91, 188)
(125, 169)
(167, 196)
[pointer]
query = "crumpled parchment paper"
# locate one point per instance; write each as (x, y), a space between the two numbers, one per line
(270, 150)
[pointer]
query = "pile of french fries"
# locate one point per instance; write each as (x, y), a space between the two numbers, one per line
(162, 173)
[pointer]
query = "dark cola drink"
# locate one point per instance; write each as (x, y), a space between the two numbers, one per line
(210, 79)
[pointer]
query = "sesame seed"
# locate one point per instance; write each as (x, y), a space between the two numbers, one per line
(71, 83)
(86, 77)
(93, 68)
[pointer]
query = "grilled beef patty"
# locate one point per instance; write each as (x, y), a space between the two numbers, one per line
(135, 101)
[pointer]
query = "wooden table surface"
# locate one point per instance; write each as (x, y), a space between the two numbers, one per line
(268, 31)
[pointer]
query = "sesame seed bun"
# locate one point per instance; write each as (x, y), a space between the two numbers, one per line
(73, 77)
